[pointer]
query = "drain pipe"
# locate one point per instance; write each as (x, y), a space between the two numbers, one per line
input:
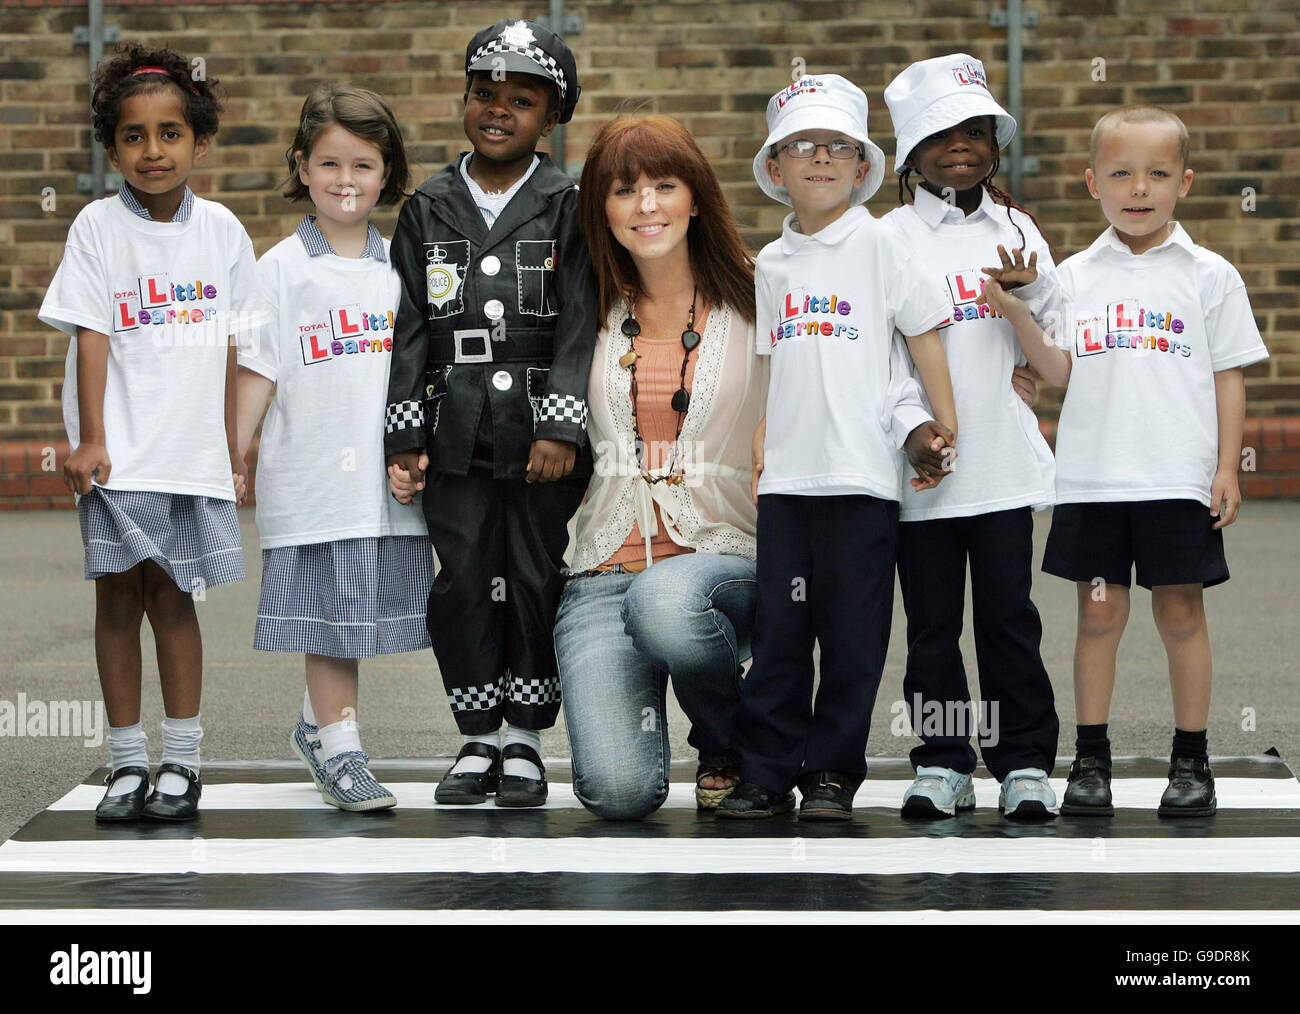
(94, 35)
(1014, 17)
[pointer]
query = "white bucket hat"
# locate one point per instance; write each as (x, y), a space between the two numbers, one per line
(819, 102)
(933, 95)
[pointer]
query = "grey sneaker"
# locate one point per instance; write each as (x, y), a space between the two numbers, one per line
(349, 784)
(305, 740)
(1027, 794)
(938, 792)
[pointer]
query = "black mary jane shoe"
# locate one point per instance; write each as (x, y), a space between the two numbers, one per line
(126, 806)
(828, 795)
(471, 787)
(1190, 792)
(161, 806)
(518, 790)
(1087, 792)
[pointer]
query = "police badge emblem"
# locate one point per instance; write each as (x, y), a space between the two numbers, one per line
(445, 265)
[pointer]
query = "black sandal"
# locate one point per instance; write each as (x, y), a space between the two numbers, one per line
(126, 806)
(470, 788)
(518, 790)
(161, 806)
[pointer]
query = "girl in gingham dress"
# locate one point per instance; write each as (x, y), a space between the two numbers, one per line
(152, 287)
(345, 568)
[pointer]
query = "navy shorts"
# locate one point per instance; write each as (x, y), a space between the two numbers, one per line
(1170, 541)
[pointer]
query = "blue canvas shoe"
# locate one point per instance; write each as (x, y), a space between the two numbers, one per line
(349, 784)
(938, 792)
(1027, 795)
(305, 741)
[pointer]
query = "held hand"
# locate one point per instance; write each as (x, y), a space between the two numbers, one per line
(550, 460)
(400, 482)
(239, 476)
(87, 462)
(931, 451)
(1022, 379)
(1013, 273)
(1225, 497)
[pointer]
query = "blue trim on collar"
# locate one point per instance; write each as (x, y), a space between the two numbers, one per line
(134, 206)
(316, 244)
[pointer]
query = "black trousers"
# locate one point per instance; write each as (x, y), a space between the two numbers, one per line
(491, 614)
(825, 573)
(1017, 725)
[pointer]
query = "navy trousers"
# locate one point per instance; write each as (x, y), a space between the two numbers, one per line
(1017, 726)
(825, 573)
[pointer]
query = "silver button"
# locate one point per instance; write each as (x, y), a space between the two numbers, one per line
(501, 380)
(490, 264)
(494, 309)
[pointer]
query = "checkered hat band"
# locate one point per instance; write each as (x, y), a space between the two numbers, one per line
(538, 55)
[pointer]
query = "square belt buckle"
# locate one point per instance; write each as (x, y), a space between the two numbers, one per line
(480, 333)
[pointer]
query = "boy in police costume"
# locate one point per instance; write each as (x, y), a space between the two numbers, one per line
(492, 345)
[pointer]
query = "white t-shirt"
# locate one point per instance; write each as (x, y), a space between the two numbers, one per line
(320, 469)
(1003, 461)
(168, 295)
(1146, 335)
(841, 400)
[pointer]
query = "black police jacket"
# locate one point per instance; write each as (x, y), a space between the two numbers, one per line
(496, 327)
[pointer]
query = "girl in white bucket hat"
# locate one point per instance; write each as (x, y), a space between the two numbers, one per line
(949, 131)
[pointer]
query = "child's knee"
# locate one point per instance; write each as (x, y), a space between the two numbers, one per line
(1103, 617)
(1178, 615)
(120, 601)
(164, 601)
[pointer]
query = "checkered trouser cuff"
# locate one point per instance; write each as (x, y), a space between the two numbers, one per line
(538, 55)
(564, 408)
(403, 415)
(534, 690)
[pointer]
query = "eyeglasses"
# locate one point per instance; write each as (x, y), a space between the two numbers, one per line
(803, 148)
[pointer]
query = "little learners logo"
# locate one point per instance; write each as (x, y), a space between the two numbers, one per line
(350, 331)
(1123, 328)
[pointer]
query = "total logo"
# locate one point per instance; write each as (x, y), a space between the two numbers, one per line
(349, 332)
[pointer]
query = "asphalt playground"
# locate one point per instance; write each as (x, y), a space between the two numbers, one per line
(251, 698)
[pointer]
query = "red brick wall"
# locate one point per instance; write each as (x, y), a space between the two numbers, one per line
(1228, 67)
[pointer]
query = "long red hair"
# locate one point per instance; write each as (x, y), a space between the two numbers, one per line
(660, 146)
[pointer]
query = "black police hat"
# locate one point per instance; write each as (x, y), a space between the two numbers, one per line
(528, 48)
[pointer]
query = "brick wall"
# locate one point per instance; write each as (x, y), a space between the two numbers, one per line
(1226, 66)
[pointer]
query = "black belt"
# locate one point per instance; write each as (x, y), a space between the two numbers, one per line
(476, 345)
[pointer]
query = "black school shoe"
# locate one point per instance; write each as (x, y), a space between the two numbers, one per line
(1087, 793)
(126, 806)
(828, 795)
(519, 790)
(749, 802)
(160, 806)
(1191, 790)
(471, 788)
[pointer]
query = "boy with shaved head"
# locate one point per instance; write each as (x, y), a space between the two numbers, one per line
(1151, 332)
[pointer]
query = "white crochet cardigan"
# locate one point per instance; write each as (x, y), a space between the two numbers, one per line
(711, 511)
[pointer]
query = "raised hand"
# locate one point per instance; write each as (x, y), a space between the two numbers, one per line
(1013, 273)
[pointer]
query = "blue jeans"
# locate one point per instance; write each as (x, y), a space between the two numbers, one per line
(617, 639)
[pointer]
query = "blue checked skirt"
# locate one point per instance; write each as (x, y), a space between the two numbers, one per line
(195, 539)
(354, 598)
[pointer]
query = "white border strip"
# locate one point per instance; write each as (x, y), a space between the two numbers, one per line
(472, 854)
(1136, 793)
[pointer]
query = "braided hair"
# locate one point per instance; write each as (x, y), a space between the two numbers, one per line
(133, 68)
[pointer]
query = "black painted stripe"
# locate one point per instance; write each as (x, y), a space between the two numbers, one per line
(612, 892)
(490, 821)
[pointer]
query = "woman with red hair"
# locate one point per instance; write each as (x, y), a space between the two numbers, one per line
(661, 582)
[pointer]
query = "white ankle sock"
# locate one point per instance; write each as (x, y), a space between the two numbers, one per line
(181, 738)
(476, 765)
(338, 738)
(518, 765)
(127, 746)
(308, 715)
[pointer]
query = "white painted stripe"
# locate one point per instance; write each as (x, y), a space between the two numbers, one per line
(474, 854)
(1137, 793)
(928, 917)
